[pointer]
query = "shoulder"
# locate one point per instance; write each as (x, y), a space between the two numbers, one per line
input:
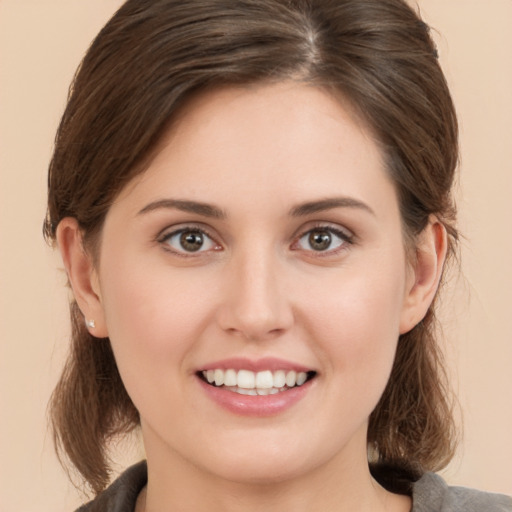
(432, 494)
(122, 495)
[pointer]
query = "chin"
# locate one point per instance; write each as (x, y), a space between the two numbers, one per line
(261, 462)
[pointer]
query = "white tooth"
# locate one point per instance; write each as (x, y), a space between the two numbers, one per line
(252, 392)
(219, 377)
(273, 391)
(242, 391)
(245, 379)
(210, 376)
(279, 379)
(291, 378)
(264, 380)
(230, 378)
(301, 378)
(262, 391)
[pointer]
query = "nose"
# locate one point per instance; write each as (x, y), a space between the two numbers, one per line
(255, 304)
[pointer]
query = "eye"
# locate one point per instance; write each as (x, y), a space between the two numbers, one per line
(189, 240)
(323, 239)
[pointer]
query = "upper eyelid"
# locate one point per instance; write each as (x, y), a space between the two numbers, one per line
(328, 226)
(172, 230)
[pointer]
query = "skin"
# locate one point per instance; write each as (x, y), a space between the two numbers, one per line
(255, 289)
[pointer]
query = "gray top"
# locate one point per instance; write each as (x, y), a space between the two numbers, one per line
(432, 494)
(429, 494)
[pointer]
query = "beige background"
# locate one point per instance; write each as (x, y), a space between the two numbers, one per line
(41, 43)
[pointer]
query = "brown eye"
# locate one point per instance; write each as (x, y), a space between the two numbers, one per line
(320, 240)
(323, 239)
(191, 241)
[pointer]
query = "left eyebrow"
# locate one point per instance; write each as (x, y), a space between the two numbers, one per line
(329, 204)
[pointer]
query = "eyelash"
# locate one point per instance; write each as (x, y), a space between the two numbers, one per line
(346, 237)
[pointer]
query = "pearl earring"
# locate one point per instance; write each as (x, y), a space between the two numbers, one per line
(90, 323)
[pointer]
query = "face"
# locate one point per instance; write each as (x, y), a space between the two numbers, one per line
(253, 284)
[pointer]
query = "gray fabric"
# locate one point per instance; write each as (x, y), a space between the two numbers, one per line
(122, 495)
(430, 494)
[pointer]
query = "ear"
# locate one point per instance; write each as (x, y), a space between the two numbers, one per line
(425, 274)
(82, 276)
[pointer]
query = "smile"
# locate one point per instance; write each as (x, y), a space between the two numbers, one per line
(247, 382)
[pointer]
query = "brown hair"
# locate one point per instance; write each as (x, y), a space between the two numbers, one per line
(145, 63)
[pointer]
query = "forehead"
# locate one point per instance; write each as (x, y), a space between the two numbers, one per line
(259, 111)
(289, 137)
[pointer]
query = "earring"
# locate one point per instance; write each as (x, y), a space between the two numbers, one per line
(90, 323)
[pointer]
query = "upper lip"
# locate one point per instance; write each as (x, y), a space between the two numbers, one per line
(255, 365)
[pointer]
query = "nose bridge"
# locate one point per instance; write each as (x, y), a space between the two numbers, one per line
(255, 304)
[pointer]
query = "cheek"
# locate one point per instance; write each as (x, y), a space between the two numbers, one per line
(154, 324)
(153, 319)
(356, 324)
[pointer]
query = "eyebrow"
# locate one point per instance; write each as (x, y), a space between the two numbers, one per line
(204, 209)
(209, 210)
(328, 204)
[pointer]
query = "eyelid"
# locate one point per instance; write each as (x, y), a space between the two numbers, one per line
(182, 226)
(344, 232)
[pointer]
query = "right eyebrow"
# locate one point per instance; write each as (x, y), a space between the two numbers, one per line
(203, 209)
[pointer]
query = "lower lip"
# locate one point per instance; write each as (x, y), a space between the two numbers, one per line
(259, 405)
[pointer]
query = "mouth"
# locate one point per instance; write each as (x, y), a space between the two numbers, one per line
(261, 383)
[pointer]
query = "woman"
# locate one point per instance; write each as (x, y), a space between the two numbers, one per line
(253, 204)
